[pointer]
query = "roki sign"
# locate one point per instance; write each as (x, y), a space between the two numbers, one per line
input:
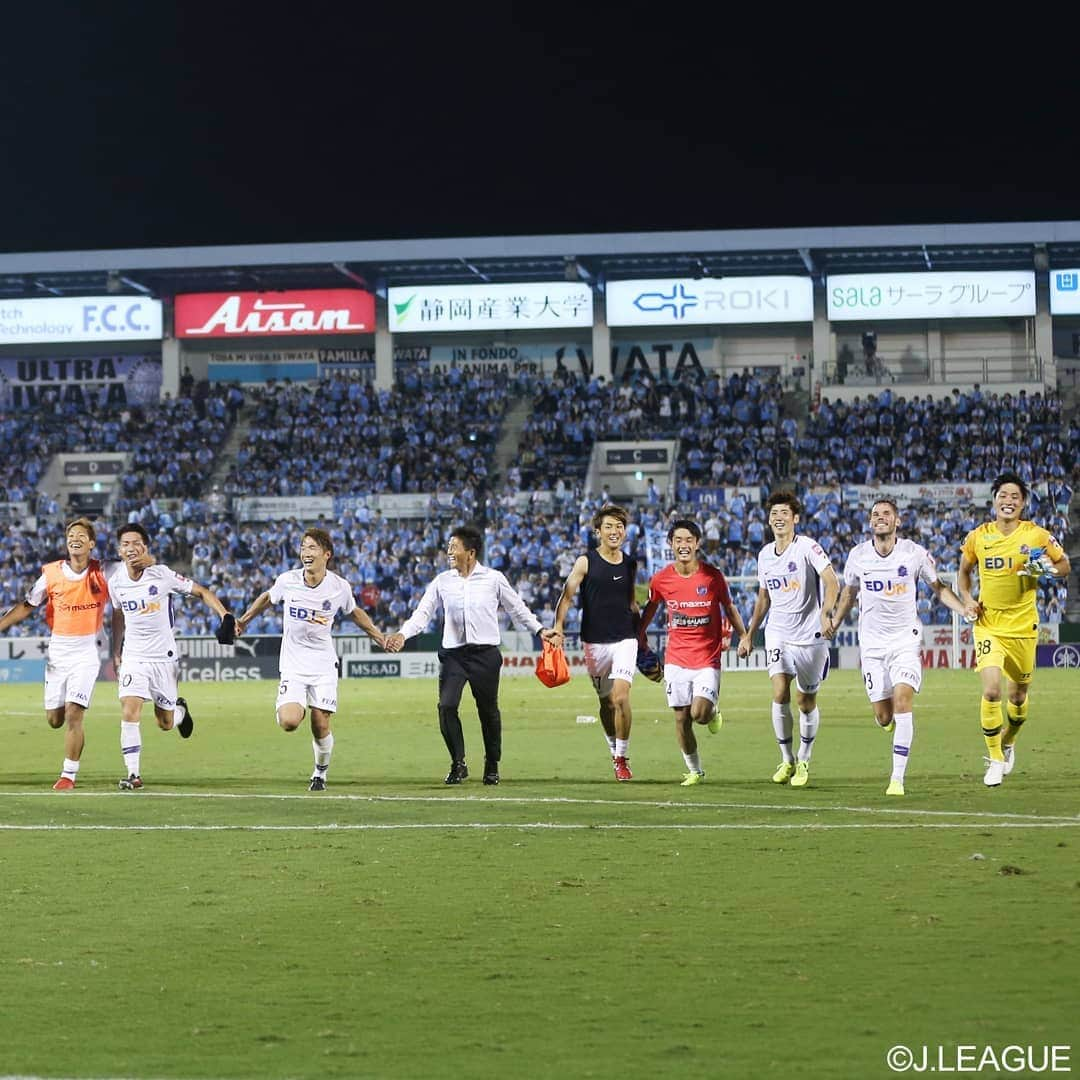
(278, 314)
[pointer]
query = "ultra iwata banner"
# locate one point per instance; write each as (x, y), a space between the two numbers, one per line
(36, 381)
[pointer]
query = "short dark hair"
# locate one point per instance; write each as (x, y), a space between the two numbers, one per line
(611, 511)
(889, 500)
(472, 539)
(135, 527)
(784, 498)
(1009, 478)
(321, 537)
(691, 527)
(85, 523)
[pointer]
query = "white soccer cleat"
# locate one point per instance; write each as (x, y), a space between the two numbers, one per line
(1010, 758)
(995, 772)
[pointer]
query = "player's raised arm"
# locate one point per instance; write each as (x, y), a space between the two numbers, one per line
(209, 598)
(570, 590)
(365, 622)
(946, 596)
(256, 607)
(757, 617)
(22, 610)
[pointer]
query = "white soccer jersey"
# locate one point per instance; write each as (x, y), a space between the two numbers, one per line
(793, 580)
(307, 644)
(147, 607)
(888, 590)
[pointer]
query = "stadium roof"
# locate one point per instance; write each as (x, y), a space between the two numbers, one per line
(594, 258)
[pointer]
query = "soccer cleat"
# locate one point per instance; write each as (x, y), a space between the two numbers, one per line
(896, 787)
(995, 772)
(458, 771)
(187, 725)
(491, 772)
(64, 784)
(802, 774)
(318, 783)
(1010, 758)
(130, 783)
(889, 727)
(691, 779)
(783, 772)
(716, 723)
(622, 769)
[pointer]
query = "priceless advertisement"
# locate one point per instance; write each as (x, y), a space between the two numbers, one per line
(683, 301)
(274, 314)
(79, 318)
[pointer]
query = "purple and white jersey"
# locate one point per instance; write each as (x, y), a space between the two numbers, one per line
(147, 607)
(793, 580)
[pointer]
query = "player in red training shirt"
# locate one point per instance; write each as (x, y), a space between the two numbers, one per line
(697, 599)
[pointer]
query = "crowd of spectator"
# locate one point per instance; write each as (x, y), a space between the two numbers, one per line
(889, 439)
(342, 436)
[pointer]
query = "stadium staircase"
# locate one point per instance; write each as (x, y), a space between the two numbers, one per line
(226, 453)
(507, 448)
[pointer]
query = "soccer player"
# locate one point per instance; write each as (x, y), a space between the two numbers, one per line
(74, 591)
(144, 646)
(882, 575)
(311, 598)
(697, 599)
(793, 571)
(471, 596)
(609, 627)
(1010, 553)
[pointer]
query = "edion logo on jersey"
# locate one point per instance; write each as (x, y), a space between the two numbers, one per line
(284, 314)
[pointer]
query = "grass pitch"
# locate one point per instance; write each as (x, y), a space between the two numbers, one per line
(226, 923)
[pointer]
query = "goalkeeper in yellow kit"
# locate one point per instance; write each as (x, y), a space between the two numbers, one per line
(1010, 555)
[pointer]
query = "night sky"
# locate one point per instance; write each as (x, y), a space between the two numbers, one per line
(147, 126)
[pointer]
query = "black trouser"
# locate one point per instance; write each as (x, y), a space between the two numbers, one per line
(479, 666)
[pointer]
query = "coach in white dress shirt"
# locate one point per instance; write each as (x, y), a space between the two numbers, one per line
(470, 595)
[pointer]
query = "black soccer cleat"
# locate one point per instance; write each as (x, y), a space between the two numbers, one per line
(187, 725)
(458, 771)
(318, 783)
(491, 772)
(130, 783)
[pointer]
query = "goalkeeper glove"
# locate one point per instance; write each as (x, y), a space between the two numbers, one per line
(1039, 564)
(648, 663)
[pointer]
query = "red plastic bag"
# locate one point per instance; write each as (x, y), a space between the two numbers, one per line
(552, 668)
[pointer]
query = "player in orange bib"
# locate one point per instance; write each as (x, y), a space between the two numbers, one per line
(697, 599)
(1010, 555)
(75, 591)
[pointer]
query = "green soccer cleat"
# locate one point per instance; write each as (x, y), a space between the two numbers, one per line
(896, 787)
(716, 723)
(783, 772)
(692, 778)
(888, 728)
(802, 774)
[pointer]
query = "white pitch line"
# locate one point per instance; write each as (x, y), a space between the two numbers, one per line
(555, 826)
(543, 800)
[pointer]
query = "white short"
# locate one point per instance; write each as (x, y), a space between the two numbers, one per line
(883, 669)
(685, 684)
(610, 660)
(808, 663)
(72, 682)
(317, 694)
(151, 680)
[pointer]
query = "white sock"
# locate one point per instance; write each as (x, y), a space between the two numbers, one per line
(323, 748)
(693, 761)
(70, 768)
(610, 742)
(903, 736)
(130, 747)
(808, 725)
(622, 747)
(783, 726)
(178, 714)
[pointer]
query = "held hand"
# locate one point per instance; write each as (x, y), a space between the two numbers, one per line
(972, 610)
(116, 663)
(828, 626)
(746, 646)
(393, 643)
(554, 636)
